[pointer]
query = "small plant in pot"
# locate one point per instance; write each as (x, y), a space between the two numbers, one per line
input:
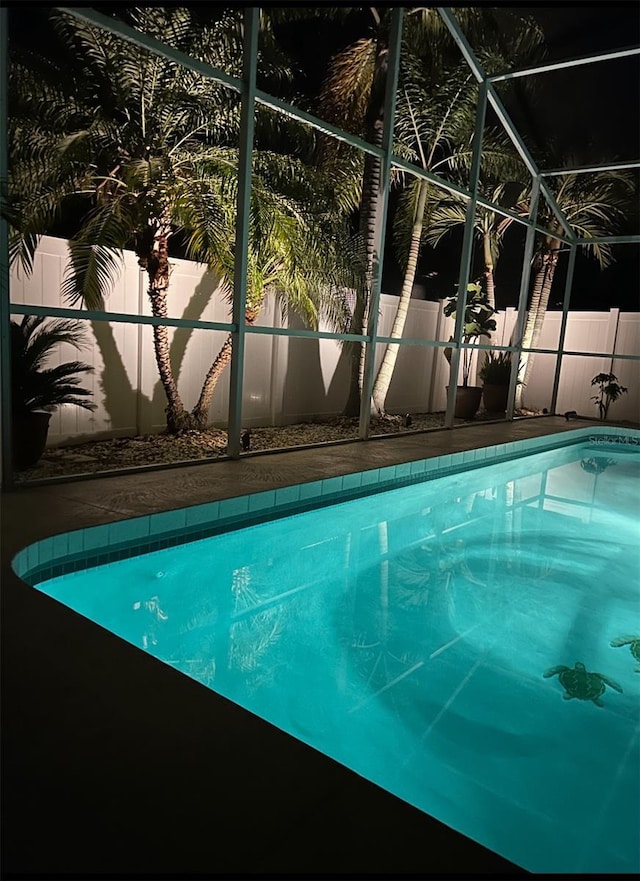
(495, 374)
(609, 390)
(37, 390)
(478, 322)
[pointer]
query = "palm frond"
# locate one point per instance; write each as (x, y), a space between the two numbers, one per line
(95, 261)
(36, 337)
(444, 217)
(595, 205)
(59, 385)
(35, 387)
(345, 93)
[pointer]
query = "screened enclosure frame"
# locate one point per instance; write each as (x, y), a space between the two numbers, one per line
(250, 96)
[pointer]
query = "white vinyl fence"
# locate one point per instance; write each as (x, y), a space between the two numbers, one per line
(288, 380)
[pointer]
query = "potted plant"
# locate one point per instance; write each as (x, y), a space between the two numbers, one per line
(36, 390)
(609, 391)
(478, 322)
(495, 374)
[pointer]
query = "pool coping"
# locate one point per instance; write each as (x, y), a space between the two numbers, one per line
(85, 548)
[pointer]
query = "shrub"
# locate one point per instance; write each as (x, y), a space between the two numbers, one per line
(609, 391)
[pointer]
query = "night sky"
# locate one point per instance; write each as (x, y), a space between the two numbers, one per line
(592, 111)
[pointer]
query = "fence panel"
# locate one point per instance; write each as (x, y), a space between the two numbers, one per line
(628, 372)
(288, 380)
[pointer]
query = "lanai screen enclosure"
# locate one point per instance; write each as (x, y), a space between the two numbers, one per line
(254, 101)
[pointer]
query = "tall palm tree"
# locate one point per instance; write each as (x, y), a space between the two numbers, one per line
(436, 120)
(595, 205)
(146, 149)
(432, 116)
(435, 124)
(353, 98)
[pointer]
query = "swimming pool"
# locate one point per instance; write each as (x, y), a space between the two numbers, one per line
(406, 634)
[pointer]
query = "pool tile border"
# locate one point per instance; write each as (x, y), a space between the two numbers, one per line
(97, 545)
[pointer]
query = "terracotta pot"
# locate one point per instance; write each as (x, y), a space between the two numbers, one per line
(467, 401)
(29, 438)
(495, 397)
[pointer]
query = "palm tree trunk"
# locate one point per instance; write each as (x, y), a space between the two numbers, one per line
(156, 262)
(546, 262)
(383, 379)
(489, 268)
(355, 350)
(368, 225)
(549, 272)
(369, 219)
(200, 412)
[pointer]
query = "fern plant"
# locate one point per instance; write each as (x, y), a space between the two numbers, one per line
(496, 369)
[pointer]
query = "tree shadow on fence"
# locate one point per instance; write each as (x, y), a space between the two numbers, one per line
(120, 398)
(201, 297)
(128, 407)
(338, 390)
(303, 386)
(304, 391)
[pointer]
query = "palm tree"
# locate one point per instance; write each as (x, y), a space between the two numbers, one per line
(146, 149)
(303, 257)
(436, 117)
(594, 205)
(435, 128)
(353, 98)
(450, 212)
(432, 115)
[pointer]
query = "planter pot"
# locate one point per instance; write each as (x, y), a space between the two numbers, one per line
(29, 438)
(495, 397)
(467, 401)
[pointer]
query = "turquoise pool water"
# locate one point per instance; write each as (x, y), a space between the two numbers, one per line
(406, 634)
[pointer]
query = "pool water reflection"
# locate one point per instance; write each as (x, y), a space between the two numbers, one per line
(407, 635)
